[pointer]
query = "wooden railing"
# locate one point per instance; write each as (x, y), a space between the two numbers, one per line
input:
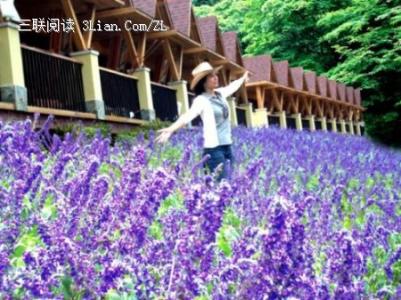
(52, 80)
(241, 116)
(164, 102)
(274, 120)
(291, 123)
(120, 94)
(305, 125)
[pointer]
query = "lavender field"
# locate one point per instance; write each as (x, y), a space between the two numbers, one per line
(304, 216)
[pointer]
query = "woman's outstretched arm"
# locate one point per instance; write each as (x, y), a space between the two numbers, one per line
(184, 119)
(227, 91)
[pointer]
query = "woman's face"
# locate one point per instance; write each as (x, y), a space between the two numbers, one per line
(212, 81)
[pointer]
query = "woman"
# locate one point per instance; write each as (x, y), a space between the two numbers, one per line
(211, 104)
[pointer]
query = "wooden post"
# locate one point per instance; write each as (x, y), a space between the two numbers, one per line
(182, 95)
(358, 128)
(312, 125)
(145, 94)
(260, 117)
(351, 127)
(333, 125)
(283, 120)
(250, 121)
(12, 84)
(91, 82)
(343, 128)
(324, 123)
(298, 121)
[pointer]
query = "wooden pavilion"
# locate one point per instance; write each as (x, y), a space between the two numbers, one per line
(128, 77)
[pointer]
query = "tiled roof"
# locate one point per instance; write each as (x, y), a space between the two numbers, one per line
(350, 94)
(357, 96)
(147, 6)
(297, 78)
(180, 11)
(310, 82)
(231, 47)
(208, 31)
(281, 72)
(333, 89)
(322, 85)
(261, 66)
(341, 91)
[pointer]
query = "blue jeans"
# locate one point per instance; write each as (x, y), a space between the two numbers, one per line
(218, 155)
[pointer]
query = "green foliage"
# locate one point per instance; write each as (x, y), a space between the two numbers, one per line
(76, 128)
(367, 37)
(106, 131)
(128, 135)
(228, 232)
(287, 30)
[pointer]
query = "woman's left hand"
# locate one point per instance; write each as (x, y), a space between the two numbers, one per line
(165, 134)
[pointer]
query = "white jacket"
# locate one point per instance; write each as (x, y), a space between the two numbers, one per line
(202, 106)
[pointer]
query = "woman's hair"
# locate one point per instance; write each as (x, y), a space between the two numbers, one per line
(200, 86)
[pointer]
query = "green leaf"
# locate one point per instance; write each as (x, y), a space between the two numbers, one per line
(66, 284)
(156, 230)
(49, 210)
(313, 183)
(17, 262)
(347, 223)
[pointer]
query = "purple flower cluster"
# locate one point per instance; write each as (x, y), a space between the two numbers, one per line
(304, 216)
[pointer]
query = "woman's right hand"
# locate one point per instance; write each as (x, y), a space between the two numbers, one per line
(246, 75)
(164, 135)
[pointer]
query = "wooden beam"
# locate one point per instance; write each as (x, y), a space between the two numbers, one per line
(260, 96)
(116, 12)
(155, 45)
(195, 50)
(350, 114)
(219, 62)
(89, 34)
(77, 34)
(319, 108)
(131, 48)
(161, 34)
(281, 101)
(142, 48)
(180, 62)
(114, 55)
(294, 103)
(276, 102)
(304, 102)
(297, 104)
(170, 57)
(331, 111)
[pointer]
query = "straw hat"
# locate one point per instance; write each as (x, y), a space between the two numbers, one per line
(202, 70)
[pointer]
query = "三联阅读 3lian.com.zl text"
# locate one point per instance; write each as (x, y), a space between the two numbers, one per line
(48, 25)
(128, 25)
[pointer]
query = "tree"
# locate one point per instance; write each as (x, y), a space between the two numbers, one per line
(367, 37)
(287, 30)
